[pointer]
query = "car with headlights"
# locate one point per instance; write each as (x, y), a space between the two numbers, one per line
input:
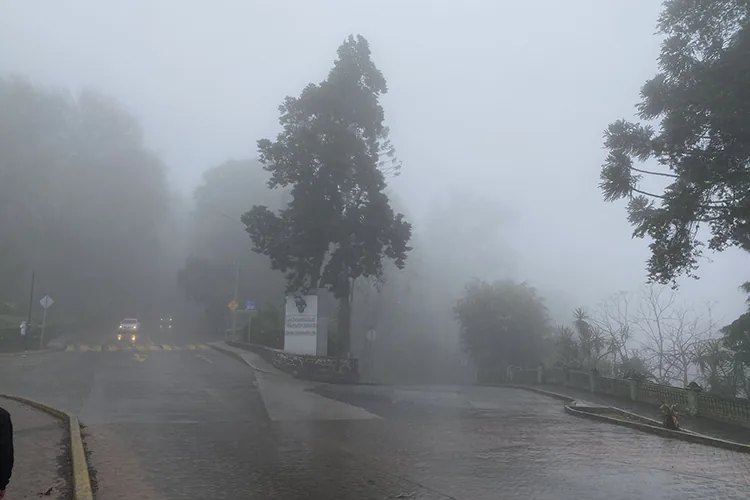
(165, 322)
(129, 329)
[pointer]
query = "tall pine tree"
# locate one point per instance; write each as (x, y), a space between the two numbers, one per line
(701, 95)
(333, 151)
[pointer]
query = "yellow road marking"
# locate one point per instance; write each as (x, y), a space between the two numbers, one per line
(204, 357)
(135, 348)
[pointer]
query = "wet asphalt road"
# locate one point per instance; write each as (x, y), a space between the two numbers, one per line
(186, 422)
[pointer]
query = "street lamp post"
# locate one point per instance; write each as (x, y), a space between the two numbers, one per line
(236, 293)
(31, 299)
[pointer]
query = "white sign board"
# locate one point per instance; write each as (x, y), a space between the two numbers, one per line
(46, 301)
(301, 324)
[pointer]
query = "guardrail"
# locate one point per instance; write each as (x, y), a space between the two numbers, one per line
(705, 404)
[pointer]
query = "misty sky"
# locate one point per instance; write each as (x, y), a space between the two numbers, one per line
(498, 101)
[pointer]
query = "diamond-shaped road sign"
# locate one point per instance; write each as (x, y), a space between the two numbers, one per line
(233, 305)
(46, 301)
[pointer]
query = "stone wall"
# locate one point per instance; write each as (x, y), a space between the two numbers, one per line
(731, 410)
(307, 367)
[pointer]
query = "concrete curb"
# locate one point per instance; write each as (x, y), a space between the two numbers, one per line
(237, 356)
(646, 420)
(661, 431)
(81, 480)
(561, 397)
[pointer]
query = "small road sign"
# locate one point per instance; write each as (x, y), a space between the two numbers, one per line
(371, 335)
(249, 305)
(233, 305)
(46, 301)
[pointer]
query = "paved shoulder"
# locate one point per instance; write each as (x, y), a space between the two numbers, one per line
(289, 399)
(40, 443)
(484, 443)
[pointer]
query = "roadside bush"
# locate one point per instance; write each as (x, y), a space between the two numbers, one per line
(11, 340)
(670, 417)
(266, 327)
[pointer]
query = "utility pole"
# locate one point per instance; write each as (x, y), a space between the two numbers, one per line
(236, 293)
(31, 300)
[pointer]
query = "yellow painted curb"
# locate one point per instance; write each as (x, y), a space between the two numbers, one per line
(81, 480)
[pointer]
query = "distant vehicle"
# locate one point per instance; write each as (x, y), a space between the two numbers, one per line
(165, 322)
(129, 326)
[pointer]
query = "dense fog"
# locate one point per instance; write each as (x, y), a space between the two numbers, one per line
(129, 154)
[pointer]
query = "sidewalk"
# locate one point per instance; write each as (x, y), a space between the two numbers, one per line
(289, 399)
(41, 457)
(708, 427)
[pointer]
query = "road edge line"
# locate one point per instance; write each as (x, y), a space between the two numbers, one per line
(81, 480)
(661, 431)
(238, 356)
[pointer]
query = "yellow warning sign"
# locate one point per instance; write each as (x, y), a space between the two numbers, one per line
(233, 305)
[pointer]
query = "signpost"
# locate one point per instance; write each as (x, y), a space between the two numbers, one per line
(46, 303)
(233, 305)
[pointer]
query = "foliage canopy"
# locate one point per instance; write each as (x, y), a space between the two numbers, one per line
(701, 149)
(502, 324)
(333, 153)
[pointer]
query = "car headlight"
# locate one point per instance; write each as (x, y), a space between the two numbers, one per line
(119, 337)
(132, 338)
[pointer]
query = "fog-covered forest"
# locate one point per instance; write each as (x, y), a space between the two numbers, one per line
(87, 206)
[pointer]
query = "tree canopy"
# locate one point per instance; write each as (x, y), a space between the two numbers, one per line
(701, 148)
(83, 202)
(216, 242)
(333, 153)
(737, 333)
(502, 324)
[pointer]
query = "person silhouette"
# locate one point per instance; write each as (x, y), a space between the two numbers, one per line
(6, 450)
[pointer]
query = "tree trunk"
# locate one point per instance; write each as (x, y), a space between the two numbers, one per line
(344, 325)
(315, 274)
